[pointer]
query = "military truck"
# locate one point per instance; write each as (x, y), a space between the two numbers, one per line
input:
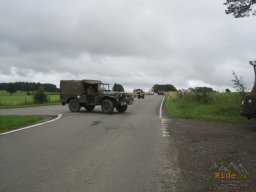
(89, 93)
(249, 102)
(140, 93)
(160, 92)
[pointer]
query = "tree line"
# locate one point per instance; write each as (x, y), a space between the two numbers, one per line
(202, 90)
(27, 87)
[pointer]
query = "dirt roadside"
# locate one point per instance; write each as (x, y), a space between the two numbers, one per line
(201, 143)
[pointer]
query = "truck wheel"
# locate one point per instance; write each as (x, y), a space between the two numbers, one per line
(121, 109)
(74, 105)
(107, 106)
(89, 107)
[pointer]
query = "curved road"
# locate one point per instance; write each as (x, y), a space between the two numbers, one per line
(90, 152)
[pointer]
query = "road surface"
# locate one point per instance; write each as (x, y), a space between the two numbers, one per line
(90, 152)
(132, 152)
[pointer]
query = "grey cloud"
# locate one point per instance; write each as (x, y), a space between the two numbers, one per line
(136, 43)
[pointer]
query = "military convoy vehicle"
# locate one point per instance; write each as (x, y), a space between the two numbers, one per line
(249, 102)
(160, 92)
(89, 93)
(151, 92)
(140, 93)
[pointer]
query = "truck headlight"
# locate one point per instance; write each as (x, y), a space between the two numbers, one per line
(249, 101)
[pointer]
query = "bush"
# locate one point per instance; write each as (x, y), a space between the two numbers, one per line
(40, 96)
(204, 97)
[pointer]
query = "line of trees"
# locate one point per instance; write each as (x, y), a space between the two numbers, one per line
(27, 87)
(202, 90)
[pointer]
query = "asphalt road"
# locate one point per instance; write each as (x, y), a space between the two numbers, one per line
(90, 152)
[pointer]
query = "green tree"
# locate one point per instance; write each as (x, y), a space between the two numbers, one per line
(240, 8)
(164, 87)
(227, 91)
(118, 87)
(239, 84)
(40, 96)
(11, 88)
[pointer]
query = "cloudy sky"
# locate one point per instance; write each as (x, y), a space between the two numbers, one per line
(136, 43)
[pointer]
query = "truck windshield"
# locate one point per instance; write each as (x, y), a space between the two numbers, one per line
(104, 87)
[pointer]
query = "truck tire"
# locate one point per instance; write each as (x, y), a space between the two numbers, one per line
(121, 109)
(107, 106)
(74, 105)
(89, 107)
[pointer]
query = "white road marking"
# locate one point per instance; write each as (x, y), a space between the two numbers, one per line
(163, 121)
(31, 126)
(160, 110)
(164, 128)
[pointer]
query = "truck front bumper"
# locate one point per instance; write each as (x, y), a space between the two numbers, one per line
(124, 102)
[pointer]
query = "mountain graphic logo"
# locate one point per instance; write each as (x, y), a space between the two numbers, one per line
(222, 170)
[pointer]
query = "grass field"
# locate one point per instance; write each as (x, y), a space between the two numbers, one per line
(10, 122)
(22, 99)
(224, 107)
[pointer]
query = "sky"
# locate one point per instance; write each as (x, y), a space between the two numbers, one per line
(136, 43)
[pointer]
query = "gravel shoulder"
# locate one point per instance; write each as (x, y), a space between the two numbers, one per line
(201, 143)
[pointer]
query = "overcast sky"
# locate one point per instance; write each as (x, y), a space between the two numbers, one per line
(136, 43)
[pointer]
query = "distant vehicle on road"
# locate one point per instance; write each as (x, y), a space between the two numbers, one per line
(151, 92)
(160, 92)
(140, 93)
(249, 102)
(89, 93)
(130, 96)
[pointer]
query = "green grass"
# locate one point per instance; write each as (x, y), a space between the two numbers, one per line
(21, 99)
(10, 122)
(222, 107)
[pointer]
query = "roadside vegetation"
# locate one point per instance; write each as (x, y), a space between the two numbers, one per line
(24, 94)
(206, 104)
(224, 107)
(10, 122)
(23, 99)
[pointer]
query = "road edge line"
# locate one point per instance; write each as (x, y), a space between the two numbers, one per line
(31, 126)
(161, 107)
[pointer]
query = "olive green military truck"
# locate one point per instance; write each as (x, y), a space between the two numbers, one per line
(89, 93)
(140, 93)
(249, 102)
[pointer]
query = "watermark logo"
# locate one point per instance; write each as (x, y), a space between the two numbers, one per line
(229, 176)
